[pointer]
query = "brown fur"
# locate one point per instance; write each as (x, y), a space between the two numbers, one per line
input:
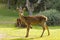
(19, 24)
(30, 20)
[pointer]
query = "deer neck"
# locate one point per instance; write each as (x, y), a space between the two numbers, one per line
(21, 15)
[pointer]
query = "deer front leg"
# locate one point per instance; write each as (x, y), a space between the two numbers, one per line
(28, 27)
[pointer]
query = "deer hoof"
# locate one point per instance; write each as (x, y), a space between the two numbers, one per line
(48, 34)
(26, 36)
(41, 36)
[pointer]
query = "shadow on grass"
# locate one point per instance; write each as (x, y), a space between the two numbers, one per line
(13, 25)
(23, 39)
(29, 38)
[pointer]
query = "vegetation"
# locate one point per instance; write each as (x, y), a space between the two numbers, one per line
(53, 16)
(9, 32)
(50, 4)
(52, 9)
(8, 17)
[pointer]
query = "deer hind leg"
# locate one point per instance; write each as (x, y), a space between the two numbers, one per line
(47, 30)
(45, 27)
(27, 34)
(42, 32)
(18, 23)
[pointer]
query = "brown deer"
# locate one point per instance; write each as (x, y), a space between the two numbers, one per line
(20, 24)
(30, 20)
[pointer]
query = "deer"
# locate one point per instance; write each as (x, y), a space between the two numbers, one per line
(20, 24)
(30, 20)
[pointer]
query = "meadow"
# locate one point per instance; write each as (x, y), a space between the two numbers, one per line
(8, 31)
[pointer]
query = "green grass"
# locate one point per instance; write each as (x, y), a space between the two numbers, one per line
(9, 15)
(9, 32)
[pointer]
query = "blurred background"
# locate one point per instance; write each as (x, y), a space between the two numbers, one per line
(9, 16)
(49, 8)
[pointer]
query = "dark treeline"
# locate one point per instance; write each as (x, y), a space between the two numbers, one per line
(54, 4)
(50, 8)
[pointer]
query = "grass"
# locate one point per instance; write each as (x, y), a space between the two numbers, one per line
(9, 15)
(10, 32)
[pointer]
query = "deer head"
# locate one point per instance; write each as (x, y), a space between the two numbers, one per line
(21, 11)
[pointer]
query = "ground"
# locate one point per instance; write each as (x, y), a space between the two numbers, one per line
(13, 33)
(8, 31)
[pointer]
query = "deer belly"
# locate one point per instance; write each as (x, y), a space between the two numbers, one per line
(34, 22)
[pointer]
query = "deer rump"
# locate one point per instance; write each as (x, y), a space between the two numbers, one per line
(34, 19)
